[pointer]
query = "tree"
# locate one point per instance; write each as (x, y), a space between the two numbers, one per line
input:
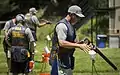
(6, 7)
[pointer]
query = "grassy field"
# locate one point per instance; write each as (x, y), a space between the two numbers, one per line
(83, 65)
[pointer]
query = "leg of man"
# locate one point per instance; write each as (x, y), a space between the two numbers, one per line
(15, 74)
(63, 71)
(25, 74)
(7, 53)
(9, 60)
(9, 65)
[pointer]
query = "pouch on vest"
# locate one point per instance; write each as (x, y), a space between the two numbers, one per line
(19, 54)
(53, 55)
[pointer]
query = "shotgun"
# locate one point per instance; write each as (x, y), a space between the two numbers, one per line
(88, 42)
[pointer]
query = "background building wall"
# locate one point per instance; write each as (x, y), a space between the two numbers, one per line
(114, 24)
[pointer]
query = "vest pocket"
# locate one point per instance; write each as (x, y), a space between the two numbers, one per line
(19, 54)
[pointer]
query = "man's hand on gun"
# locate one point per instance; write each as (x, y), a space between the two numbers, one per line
(45, 21)
(93, 47)
(85, 46)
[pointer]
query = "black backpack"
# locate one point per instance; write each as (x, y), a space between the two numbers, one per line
(19, 54)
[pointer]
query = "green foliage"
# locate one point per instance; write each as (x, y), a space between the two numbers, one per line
(98, 3)
(44, 31)
(100, 26)
(48, 29)
(85, 30)
(6, 6)
(103, 24)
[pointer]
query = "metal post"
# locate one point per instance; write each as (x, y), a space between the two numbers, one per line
(96, 29)
(92, 66)
(0, 34)
(92, 29)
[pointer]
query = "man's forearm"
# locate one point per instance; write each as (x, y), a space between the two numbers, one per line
(67, 44)
(44, 23)
(32, 47)
(32, 50)
(5, 33)
(6, 40)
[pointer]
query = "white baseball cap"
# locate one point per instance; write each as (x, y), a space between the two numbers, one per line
(76, 10)
(33, 10)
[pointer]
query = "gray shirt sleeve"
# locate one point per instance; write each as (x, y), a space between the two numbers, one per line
(9, 31)
(7, 25)
(61, 30)
(35, 20)
(29, 33)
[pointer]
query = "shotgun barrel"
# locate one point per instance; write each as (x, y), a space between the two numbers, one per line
(87, 41)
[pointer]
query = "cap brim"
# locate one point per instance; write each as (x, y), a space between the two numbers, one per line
(36, 11)
(80, 15)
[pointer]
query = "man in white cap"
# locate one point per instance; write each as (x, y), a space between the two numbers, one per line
(64, 37)
(20, 40)
(9, 24)
(33, 22)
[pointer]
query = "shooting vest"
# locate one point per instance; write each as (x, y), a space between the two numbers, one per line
(30, 22)
(65, 55)
(20, 44)
(18, 36)
(71, 35)
(5, 45)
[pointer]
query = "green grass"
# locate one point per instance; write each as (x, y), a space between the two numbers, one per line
(82, 60)
(82, 64)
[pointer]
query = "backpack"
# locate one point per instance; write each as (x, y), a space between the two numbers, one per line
(19, 54)
(29, 21)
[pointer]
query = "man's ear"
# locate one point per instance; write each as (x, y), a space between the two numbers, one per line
(72, 15)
